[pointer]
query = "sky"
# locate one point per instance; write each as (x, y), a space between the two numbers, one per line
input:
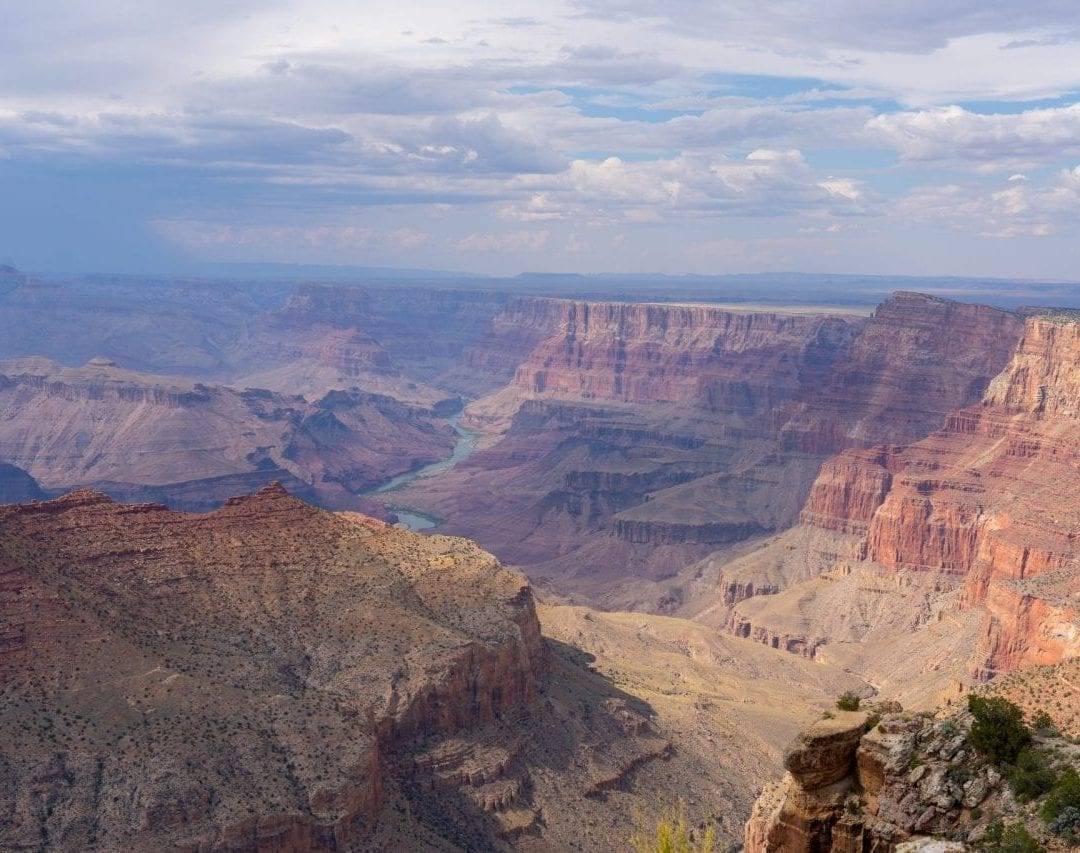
(930, 137)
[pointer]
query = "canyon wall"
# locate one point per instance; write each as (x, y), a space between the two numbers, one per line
(919, 359)
(720, 360)
(981, 510)
(683, 429)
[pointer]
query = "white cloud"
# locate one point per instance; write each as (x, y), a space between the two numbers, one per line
(952, 136)
(335, 127)
(1022, 209)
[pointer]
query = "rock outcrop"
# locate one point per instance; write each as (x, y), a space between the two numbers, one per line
(196, 682)
(890, 783)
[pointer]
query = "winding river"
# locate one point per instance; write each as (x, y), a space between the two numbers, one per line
(412, 518)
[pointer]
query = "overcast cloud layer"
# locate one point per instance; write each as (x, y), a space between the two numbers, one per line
(927, 137)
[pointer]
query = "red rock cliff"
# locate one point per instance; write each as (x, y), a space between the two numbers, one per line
(917, 360)
(989, 499)
(722, 360)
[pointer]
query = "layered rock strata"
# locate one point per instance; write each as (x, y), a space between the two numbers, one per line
(985, 503)
(684, 429)
(918, 359)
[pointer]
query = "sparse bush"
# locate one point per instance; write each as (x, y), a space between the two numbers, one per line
(671, 835)
(1013, 838)
(1067, 825)
(848, 701)
(1044, 725)
(998, 731)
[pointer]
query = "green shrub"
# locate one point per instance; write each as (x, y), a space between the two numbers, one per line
(998, 731)
(1031, 776)
(1013, 838)
(848, 701)
(1067, 825)
(1065, 794)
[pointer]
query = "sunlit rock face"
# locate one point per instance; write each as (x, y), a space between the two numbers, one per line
(986, 503)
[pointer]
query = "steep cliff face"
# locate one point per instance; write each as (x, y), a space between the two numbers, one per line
(491, 359)
(724, 361)
(986, 501)
(147, 436)
(917, 360)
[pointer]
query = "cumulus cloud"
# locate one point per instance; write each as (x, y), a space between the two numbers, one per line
(953, 136)
(268, 128)
(764, 183)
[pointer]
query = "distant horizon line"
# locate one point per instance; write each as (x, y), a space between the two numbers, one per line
(289, 271)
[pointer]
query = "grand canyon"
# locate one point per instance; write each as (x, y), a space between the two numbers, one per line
(659, 534)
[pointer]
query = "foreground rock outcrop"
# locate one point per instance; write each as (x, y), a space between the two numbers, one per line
(236, 680)
(886, 781)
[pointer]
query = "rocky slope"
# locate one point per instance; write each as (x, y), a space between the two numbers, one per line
(193, 682)
(142, 436)
(274, 677)
(974, 526)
